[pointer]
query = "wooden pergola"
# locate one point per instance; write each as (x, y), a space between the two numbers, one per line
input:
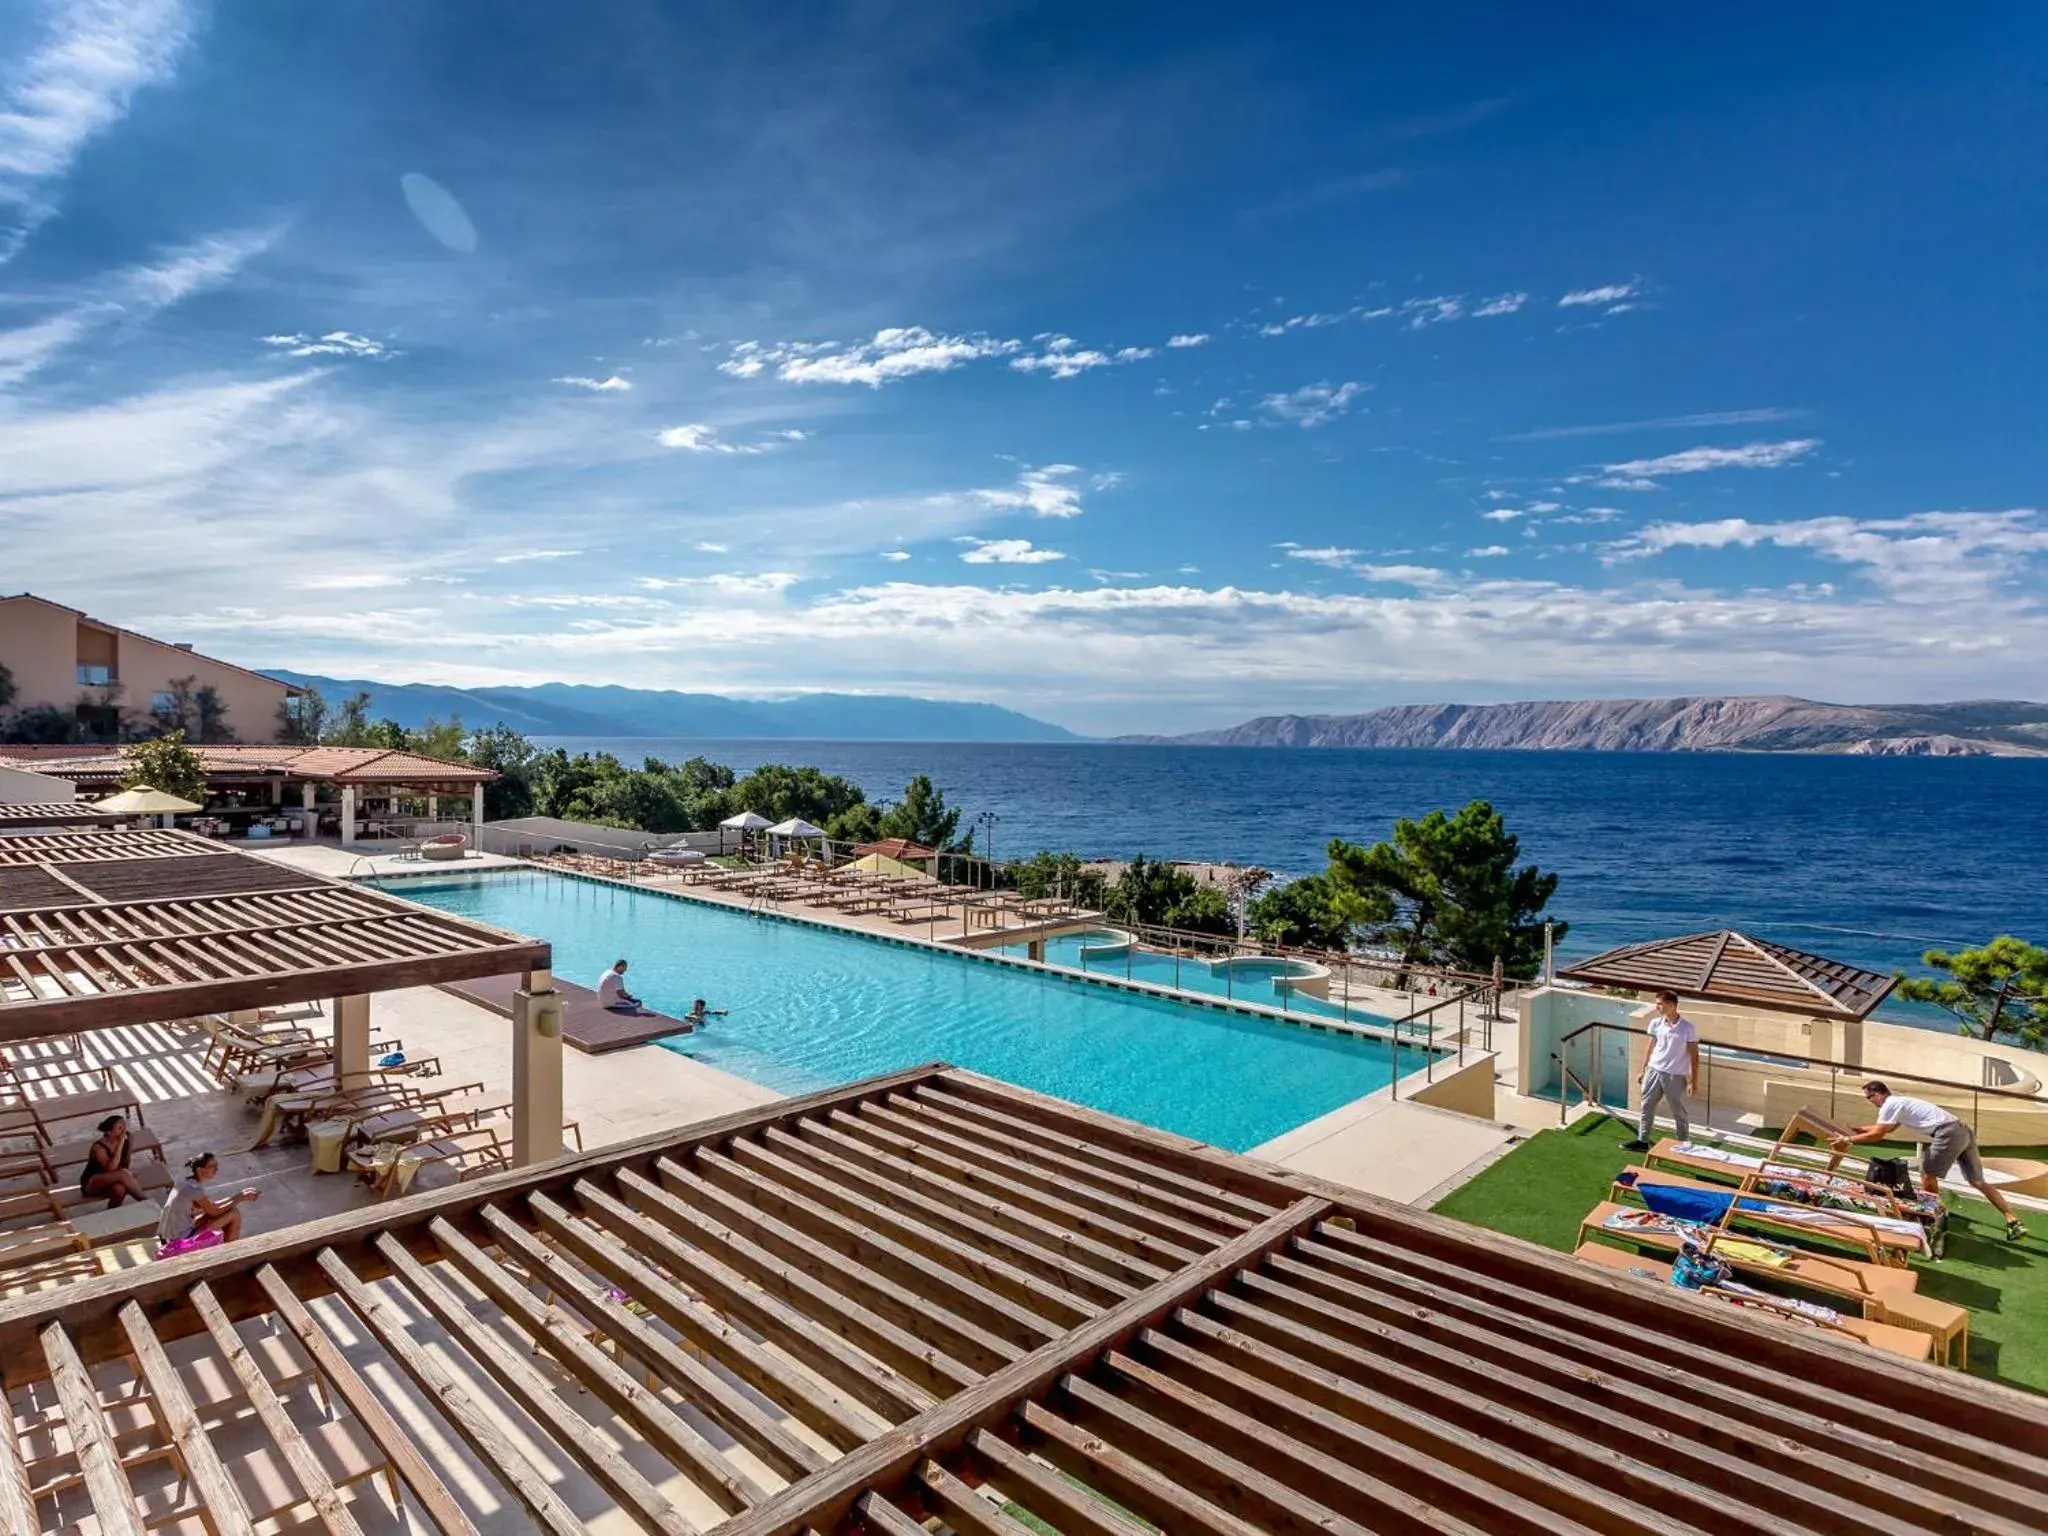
(931, 1297)
(57, 813)
(107, 928)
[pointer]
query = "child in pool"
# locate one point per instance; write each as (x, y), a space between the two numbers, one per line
(699, 1013)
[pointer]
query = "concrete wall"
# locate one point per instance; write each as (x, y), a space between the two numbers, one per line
(1467, 1089)
(42, 644)
(18, 786)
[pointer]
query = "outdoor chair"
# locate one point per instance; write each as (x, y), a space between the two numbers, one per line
(20, 1110)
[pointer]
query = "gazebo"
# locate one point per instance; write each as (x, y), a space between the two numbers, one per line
(894, 856)
(1736, 968)
(100, 929)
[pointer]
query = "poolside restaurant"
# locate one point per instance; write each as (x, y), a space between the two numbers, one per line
(308, 789)
(925, 1300)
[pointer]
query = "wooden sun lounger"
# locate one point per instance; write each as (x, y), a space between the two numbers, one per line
(1666, 1156)
(19, 1108)
(1907, 1343)
(1878, 1245)
(1869, 1285)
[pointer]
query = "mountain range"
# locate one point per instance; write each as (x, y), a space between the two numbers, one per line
(1715, 723)
(570, 709)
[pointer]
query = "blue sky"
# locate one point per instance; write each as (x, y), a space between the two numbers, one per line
(1141, 367)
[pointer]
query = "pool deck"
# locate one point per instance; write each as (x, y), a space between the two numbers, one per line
(587, 1025)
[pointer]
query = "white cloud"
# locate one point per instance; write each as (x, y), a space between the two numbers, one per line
(1501, 304)
(522, 556)
(332, 344)
(896, 352)
(1043, 492)
(1188, 339)
(188, 269)
(701, 437)
(1502, 514)
(73, 83)
(610, 385)
(1007, 552)
(1612, 293)
(1325, 554)
(1487, 552)
(1314, 405)
(1693, 461)
(1062, 364)
(707, 547)
(1538, 508)
(1656, 424)
(896, 555)
(1434, 311)
(1943, 559)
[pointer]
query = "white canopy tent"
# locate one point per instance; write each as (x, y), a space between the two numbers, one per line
(745, 823)
(796, 826)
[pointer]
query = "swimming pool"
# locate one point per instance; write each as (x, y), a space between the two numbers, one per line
(810, 1008)
(1261, 980)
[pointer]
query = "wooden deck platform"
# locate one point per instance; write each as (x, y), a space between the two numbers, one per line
(587, 1025)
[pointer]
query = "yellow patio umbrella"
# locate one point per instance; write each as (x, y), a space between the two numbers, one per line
(144, 801)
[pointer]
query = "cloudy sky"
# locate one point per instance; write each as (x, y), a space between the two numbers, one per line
(1141, 375)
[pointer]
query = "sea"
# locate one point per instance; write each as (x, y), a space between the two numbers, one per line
(1871, 860)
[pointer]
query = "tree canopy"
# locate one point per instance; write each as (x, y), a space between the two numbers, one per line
(1447, 890)
(1159, 894)
(1997, 990)
(165, 763)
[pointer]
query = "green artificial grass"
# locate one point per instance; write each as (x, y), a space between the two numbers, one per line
(1540, 1191)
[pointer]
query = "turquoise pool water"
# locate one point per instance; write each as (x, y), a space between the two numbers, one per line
(1247, 981)
(809, 1008)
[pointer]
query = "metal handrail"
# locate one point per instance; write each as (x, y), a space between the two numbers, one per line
(1711, 1050)
(1813, 1061)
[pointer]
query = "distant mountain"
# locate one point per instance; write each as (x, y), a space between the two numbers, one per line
(571, 709)
(1720, 723)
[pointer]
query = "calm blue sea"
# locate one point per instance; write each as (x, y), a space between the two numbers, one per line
(1869, 860)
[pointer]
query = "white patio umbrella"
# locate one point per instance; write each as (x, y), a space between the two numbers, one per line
(795, 827)
(144, 801)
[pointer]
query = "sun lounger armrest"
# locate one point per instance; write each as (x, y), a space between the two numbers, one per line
(103, 1077)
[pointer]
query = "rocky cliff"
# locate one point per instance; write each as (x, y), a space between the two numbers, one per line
(1714, 723)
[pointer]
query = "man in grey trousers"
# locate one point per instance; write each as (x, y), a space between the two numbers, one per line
(1672, 1071)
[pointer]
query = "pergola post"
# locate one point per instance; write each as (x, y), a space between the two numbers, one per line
(433, 806)
(1852, 1042)
(348, 814)
(312, 814)
(536, 1070)
(351, 1038)
(476, 818)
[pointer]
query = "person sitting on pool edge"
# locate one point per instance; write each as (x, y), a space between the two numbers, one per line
(699, 1013)
(612, 993)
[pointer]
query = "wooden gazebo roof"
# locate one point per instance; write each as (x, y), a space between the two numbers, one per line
(1731, 967)
(58, 813)
(901, 849)
(932, 1296)
(105, 928)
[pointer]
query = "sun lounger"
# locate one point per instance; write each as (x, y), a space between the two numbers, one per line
(48, 1110)
(1868, 1285)
(1907, 1343)
(1725, 1165)
(390, 1169)
(1884, 1240)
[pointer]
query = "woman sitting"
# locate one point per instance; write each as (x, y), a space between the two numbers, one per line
(107, 1176)
(191, 1215)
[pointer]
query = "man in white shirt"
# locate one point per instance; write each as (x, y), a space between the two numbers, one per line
(1671, 1072)
(612, 993)
(1949, 1143)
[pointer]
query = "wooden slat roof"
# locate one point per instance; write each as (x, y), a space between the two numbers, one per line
(1730, 967)
(100, 766)
(933, 1295)
(57, 813)
(105, 928)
